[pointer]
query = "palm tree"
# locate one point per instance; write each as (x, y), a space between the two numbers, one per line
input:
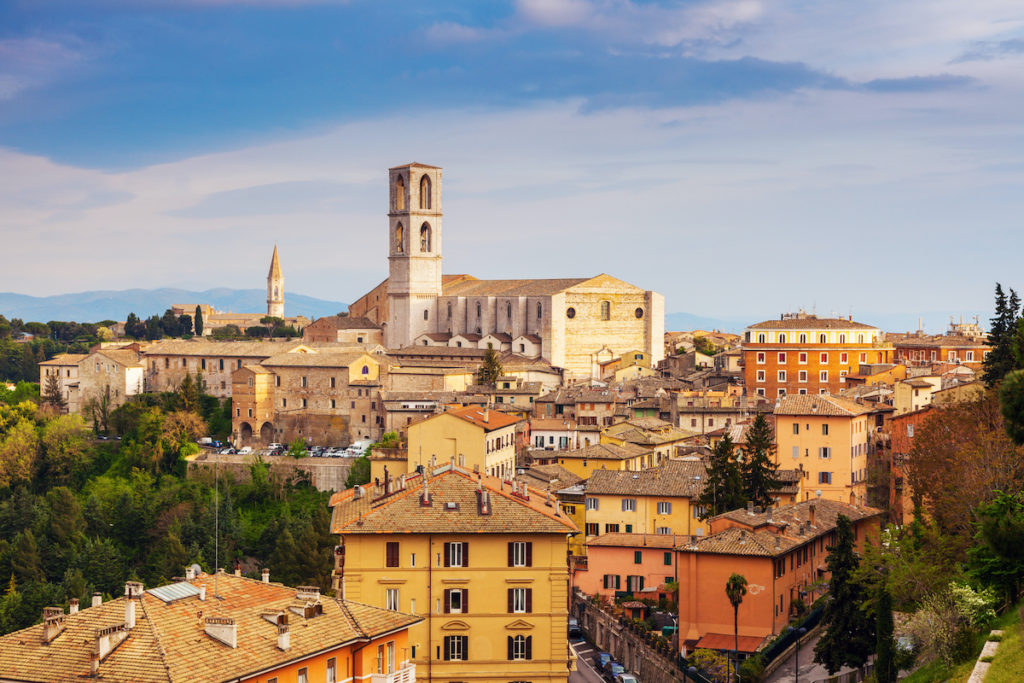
(736, 588)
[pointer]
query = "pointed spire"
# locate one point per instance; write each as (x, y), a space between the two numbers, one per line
(275, 266)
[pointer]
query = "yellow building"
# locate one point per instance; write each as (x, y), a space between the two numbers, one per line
(483, 562)
(648, 432)
(652, 501)
(603, 456)
(826, 436)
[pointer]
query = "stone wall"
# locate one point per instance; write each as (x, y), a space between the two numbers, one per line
(628, 647)
(325, 474)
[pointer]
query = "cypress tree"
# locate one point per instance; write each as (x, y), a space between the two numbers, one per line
(1002, 337)
(849, 636)
(52, 394)
(885, 645)
(197, 321)
(491, 369)
(759, 469)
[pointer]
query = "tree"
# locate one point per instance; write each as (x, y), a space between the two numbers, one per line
(198, 321)
(702, 344)
(759, 469)
(885, 645)
(1011, 405)
(25, 558)
(997, 558)
(98, 408)
(735, 589)
(52, 394)
(65, 447)
(359, 473)
(723, 489)
(1000, 359)
(491, 370)
(134, 328)
(18, 451)
(849, 636)
(188, 394)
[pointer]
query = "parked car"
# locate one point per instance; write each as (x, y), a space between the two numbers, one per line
(574, 629)
(612, 669)
(602, 658)
(245, 450)
(276, 446)
(626, 678)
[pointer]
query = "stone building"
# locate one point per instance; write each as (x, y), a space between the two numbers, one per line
(344, 330)
(573, 323)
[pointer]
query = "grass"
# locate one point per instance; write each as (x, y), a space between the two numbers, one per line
(1008, 662)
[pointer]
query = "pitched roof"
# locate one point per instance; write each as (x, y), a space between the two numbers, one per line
(474, 287)
(604, 451)
(620, 540)
(343, 322)
(819, 404)
(488, 419)
(325, 359)
(811, 324)
(682, 478)
(453, 509)
(202, 347)
(826, 513)
(122, 357)
(275, 266)
(65, 359)
(169, 643)
(548, 477)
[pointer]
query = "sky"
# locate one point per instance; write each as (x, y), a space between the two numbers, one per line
(742, 157)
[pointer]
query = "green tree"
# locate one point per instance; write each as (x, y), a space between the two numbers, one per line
(285, 559)
(885, 645)
(997, 557)
(702, 344)
(759, 469)
(297, 449)
(66, 451)
(491, 369)
(52, 394)
(1011, 405)
(18, 452)
(723, 488)
(735, 589)
(1000, 359)
(188, 394)
(98, 408)
(359, 473)
(25, 558)
(197, 321)
(849, 636)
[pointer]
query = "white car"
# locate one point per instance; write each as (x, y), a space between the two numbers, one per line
(245, 451)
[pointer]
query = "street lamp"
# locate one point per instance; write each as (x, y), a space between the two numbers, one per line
(693, 673)
(800, 632)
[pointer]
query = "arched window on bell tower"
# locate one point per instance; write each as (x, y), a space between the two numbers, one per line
(425, 238)
(400, 194)
(400, 239)
(425, 192)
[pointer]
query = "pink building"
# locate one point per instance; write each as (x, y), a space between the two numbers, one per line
(640, 564)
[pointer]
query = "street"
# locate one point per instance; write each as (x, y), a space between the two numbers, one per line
(809, 671)
(585, 672)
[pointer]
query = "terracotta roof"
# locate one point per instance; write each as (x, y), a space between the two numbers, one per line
(620, 540)
(488, 419)
(603, 451)
(326, 359)
(453, 509)
(510, 287)
(169, 643)
(936, 340)
(548, 477)
(66, 359)
(554, 424)
(342, 322)
(826, 513)
(811, 324)
(727, 641)
(414, 163)
(197, 347)
(128, 359)
(438, 351)
(819, 404)
(674, 478)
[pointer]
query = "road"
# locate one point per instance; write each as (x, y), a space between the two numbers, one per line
(809, 671)
(585, 671)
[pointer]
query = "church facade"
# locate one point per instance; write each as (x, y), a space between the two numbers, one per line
(573, 323)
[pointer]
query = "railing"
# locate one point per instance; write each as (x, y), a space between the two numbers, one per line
(406, 673)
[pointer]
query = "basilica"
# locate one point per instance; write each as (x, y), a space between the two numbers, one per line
(573, 323)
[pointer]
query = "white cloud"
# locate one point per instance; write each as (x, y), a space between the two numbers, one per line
(555, 12)
(27, 63)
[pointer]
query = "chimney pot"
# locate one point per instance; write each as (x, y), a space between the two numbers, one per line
(202, 592)
(266, 576)
(97, 599)
(284, 636)
(73, 606)
(129, 613)
(813, 514)
(750, 507)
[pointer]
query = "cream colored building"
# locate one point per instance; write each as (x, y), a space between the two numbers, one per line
(65, 368)
(574, 323)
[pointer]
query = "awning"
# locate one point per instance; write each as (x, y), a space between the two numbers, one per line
(723, 641)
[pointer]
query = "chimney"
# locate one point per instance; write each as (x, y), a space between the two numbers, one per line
(97, 599)
(812, 512)
(223, 629)
(94, 663)
(768, 511)
(750, 507)
(73, 606)
(133, 591)
(284, 637)
(189, 573)
(238, 568)
(778, 542)
(425, 496)
(743, 537)
(53, 623)
(266, 575)
(308, 593)
(202, 592)
(129, 613)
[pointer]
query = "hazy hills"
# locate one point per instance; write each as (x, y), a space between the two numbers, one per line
(116, 305)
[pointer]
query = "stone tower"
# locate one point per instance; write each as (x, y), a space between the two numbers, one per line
(275, 288)
(414, 252)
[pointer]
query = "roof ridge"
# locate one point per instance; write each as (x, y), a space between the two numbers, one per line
(156, 639)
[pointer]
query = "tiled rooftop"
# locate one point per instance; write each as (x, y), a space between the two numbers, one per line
(682, 478)
(819, 404)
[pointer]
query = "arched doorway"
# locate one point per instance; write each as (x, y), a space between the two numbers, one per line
(245, 433)
(267, 433)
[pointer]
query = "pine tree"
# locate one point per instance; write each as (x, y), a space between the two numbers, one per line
(197, 321)
(885, 646)
(1001, 337)
(491, 370)
(52, 393)
(723, 489)
(849, 636)
(759, 469)
(25, 561)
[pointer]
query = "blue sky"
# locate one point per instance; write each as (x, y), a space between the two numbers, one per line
(739, 156)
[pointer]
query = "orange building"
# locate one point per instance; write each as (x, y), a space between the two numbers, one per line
(640, 564)
(781, 552)
(223, 628)
(804, 354)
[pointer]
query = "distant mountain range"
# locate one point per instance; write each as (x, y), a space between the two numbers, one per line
(116, 305)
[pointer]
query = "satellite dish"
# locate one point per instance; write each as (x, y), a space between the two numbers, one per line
(196, 569)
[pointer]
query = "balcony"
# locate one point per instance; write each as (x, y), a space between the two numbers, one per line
(406, 673)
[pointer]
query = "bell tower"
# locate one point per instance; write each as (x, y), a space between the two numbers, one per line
(414, 252)
(275, 288)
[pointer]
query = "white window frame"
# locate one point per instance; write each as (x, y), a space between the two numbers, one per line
(823, 375)
(629, 504)
(823, 357)
(824, 452)
(455, 554)
(593, 503)
(781, 375)
(455, 651)
(391, 599)
(761, 357)
(760, 375)
(663, 531)
(782, 356)
(802, 376)
(519, 600)
(519, 648)
(451, 601)
(519, 553)
(664, 507)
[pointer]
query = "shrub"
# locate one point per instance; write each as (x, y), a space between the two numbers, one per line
(987, 658)
(751, 669)
(995, 637)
